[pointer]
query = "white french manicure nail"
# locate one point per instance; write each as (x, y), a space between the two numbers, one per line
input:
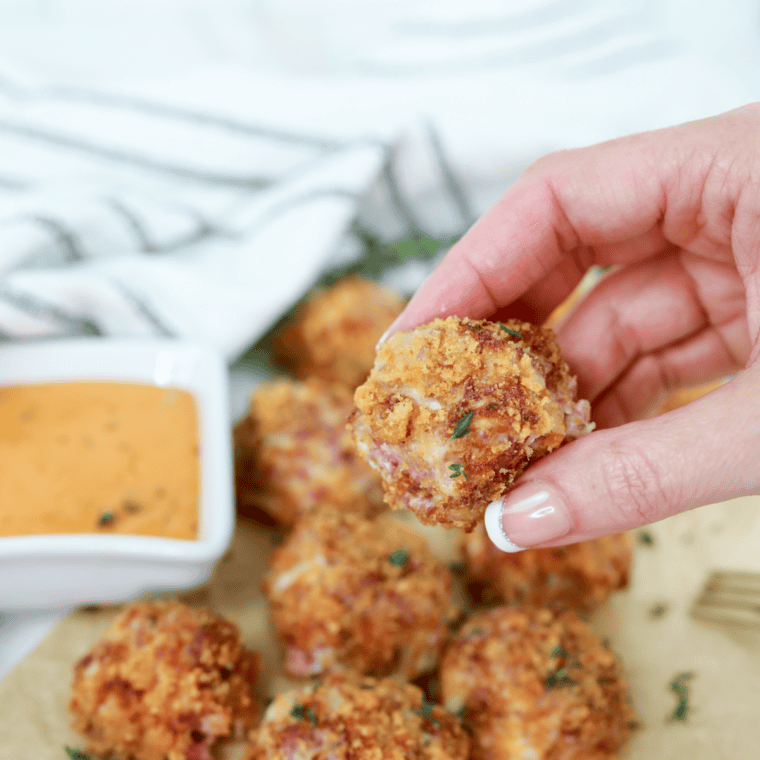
(495, 530)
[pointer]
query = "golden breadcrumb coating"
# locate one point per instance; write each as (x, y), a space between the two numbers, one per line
(502, 390)
(536, 683)
(293, 453)
(334, 333)
(348, 591)
(166, 681)
(579, 576)
(349, 717)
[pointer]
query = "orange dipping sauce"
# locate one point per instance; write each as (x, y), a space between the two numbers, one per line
(98, 457)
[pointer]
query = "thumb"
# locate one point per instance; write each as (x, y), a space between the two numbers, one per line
(621, 478)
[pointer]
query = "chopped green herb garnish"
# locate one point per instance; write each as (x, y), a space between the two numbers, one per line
(300, 712)
(678, 685)
(76, 754)
(558, 652)
(658, 610)
(106, 518)
(463, 426)
(457, 470)
(513, 333)
(399, 557)
(558, 679)
(645, 538)
(366, 686)
(426, 711)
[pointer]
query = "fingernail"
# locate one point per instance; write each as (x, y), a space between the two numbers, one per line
(495, 532)
(382, 340)
(387, 334)
(534, 514)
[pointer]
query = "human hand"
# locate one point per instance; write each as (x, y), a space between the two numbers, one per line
(676, 213)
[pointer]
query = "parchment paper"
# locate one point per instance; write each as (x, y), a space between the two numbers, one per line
(724, 716)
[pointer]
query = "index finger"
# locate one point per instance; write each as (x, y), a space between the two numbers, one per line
(605, 204)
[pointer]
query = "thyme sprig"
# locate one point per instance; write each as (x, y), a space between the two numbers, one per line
(457, 470)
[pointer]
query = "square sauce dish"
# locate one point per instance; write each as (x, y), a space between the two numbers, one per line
(115, 470)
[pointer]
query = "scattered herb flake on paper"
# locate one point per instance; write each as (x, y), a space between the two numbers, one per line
(679, 686)
(645, 538)
(76, 754)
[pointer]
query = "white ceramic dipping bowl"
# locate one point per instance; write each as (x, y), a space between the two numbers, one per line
(56, 571)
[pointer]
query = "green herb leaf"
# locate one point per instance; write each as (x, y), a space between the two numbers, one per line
(457, 470)
(76, 754)
(426, 711)
(558, 652)
(299, 712)
(462, 427)
(678, 685)
(399, 557)
(645, 538)
(513, 333)
(106, 518)
(658, 610)
(557, 679)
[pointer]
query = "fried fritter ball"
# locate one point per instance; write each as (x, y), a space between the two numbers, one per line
(293, 453)
(167, 681)
(535, 683)
(455, 410)
(577, 577)
(348, 717)
(334, 332)
(348, 591)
